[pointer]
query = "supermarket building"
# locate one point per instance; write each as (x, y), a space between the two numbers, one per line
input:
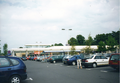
(47, 49)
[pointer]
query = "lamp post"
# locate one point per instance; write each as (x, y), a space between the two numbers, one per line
(68, 37)
(68, 34)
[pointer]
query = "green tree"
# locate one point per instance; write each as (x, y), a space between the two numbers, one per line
(80, 39)
(60, 44)
(101, 47)
(88, 43)
(72, 41)
(73, 52)
(111, 42)
(5, 50)
(100, 37)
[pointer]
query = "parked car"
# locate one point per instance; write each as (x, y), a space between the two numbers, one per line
(31, 58)
(107, 55)
(28, 57)
(73, 60)
(56, 58)
(95, 60)
(23, 58)
(12, 70)
(35, 58)
(114, 61)
(66, 57)
(38, 58)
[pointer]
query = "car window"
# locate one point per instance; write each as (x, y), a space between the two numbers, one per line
(15, 62)
(91, 57)
(102, 57)
(97, 57)
(115, 57)
(4, 62)
(73, 57)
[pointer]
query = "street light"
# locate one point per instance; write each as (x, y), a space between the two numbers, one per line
(68, 34)
(68, 37)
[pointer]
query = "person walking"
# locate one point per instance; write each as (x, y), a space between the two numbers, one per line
(79, 62)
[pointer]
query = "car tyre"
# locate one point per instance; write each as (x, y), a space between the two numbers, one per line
(73, 63)
(15, 79)
(94, 65)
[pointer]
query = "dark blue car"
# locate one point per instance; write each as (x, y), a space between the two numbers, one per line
(12, 70)
(73, 60)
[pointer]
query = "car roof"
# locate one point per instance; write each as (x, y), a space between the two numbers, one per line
(8, 57)
(115, 53)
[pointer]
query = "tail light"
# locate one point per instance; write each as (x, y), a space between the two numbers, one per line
(86, 60)
(51, 59)
(68, 60)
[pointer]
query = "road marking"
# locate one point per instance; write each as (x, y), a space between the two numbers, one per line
(88, 69)
(103, 71)
(68, 66)
(29, 79)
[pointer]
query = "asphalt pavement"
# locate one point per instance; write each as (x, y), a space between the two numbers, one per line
(39, 72)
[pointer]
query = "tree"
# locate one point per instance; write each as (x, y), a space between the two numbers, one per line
(88, 43)
(111, 42)
(73, 52)
(60, 44)
(5, 50)
(80, 39)
(101, 47)
(72, 41)
(100, 37)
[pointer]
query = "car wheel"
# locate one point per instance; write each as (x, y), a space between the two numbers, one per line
(73, 63)
(15, 79)
(54, 61)
(94, 65)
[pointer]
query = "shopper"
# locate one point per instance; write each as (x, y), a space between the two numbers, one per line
(79, 61)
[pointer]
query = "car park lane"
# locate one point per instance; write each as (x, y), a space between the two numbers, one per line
(60, 73)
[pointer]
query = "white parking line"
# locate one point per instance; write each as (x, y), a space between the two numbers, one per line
(29, 79)
(103, 71)
(88, 69)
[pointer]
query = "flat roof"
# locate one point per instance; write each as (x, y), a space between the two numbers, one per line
(37, 44)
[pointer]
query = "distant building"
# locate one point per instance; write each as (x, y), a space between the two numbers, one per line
(39, 48)
(0, 46)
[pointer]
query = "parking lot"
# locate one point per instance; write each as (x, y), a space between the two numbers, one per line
(39, 72)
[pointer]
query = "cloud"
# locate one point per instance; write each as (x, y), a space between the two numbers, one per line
(28, 21)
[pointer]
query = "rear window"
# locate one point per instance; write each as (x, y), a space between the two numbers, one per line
(15, 62)
(115, 57)
(4, 62)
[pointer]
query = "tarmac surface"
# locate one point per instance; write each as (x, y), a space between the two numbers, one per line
(39, 72)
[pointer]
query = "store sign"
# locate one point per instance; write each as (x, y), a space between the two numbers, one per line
(37, 52)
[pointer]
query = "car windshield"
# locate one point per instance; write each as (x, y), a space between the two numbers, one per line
(115, 57)
(73, 57)
(91, 57)
(53, 56)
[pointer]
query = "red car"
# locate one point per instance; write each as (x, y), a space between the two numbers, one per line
(114, 61)
(28, 57)
(35, 58)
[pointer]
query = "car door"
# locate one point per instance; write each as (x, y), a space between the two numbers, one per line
(105, 60)
(5, 69)
(98, 60)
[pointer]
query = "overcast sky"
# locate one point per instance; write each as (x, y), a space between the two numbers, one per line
(30, 21)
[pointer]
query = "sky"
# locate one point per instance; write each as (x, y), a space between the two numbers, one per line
(41, 21)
